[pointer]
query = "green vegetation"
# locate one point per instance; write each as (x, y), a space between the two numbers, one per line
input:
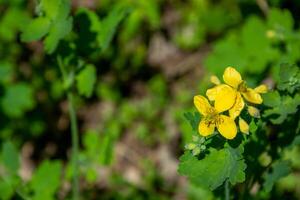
(96, 99)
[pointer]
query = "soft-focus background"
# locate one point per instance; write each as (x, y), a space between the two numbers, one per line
(132, 129)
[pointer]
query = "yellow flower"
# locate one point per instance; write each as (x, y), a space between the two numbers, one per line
(230, 96)
(213, 119)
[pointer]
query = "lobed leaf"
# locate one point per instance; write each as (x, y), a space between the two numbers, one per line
(214, 168)
(289, 78)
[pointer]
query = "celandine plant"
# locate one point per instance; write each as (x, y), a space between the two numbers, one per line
(219, 157)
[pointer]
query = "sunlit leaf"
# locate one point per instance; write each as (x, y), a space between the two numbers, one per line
(46, 180)
(86, 80)
(36, 29)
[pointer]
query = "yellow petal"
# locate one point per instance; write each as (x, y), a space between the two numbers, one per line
(215, 80)
(202, 104)
(237, 107)
(252, 96)
(227, 127)
(254, 112)
(232, 77)
(261, 89)
(244, 127)
(212, 93)
(225, 99)
(205, 128)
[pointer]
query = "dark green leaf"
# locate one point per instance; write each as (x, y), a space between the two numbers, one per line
(10, 157)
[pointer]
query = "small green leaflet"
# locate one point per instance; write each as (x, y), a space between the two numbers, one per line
(288, 105)
(10, 157)
(271, 99)
(46, 180)
(86, 80)
(289, 78)
(279, 169)
(283, 105)
(193, 119)
(214, 168)
(15, 107)
(280, 20)
(36, 29)
(54, 24)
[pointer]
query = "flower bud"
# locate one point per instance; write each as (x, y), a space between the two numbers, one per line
(190, 146)
(254, 112)
(196, 151)
(244, 127)
(215, 80)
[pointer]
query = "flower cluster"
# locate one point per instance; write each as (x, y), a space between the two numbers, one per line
(229, 98)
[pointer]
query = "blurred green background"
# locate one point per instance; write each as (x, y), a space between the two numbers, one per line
(132, 129)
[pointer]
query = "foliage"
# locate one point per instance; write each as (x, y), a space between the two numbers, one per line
(236, 160)
(129, 108)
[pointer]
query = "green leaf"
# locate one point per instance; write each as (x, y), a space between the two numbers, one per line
(289, 78)
(50, 7)
(56, 24)
(272, 99)
(17, 99)
(46, 179)
(193, 119)
(280, 20)
(36, 29)
(6, 190)
(57, 32)
(86, 80)
(214, 168)
(252, 126)
(279, 169)
(287, 106)
(109, 26)
(6, 72)
(10, 157)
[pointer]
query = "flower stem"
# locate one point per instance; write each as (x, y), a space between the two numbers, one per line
(75, 145)
(74, 130)
(227, 190)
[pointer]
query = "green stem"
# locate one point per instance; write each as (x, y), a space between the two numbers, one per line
(227, 190)
(75, 145)
(74, 130)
